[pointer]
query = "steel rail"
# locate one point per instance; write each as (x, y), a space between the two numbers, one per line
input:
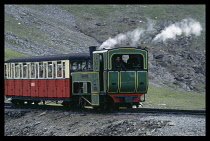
(133, 111)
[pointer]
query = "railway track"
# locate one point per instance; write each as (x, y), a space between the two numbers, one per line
(132, 111)
(164, 111)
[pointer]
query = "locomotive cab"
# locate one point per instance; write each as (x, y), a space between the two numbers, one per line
(123, 74)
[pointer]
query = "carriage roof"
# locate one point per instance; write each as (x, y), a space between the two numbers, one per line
(74, 56)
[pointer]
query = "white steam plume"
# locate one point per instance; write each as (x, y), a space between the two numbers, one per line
(132, 37)
(186, 27)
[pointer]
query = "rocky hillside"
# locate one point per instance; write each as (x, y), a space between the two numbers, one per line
(56, 29)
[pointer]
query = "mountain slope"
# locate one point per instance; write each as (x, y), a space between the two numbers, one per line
(57, 29)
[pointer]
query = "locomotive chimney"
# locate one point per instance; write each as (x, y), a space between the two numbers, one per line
(91, 49)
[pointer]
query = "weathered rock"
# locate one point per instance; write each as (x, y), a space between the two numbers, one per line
(172, 123)
(159, 56)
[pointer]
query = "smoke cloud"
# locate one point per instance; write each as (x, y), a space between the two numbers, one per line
(186, 27)
(132, 37)
(139, 35)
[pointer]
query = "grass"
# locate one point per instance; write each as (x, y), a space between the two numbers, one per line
(165, 98)
(9, 53)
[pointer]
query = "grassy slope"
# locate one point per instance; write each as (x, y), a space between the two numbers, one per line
(170, 99)
(9, 53)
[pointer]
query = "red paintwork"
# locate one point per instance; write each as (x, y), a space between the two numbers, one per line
(26, 88)
(117, 99)
(42, 88)
(38, 87)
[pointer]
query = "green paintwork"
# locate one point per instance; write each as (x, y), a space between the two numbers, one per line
(96, 62)
(84, 77)
(95, 99)
(142, 83)
(127, 81)
(113, 81)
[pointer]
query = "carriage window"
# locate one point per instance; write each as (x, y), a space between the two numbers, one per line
(54, 70)
(32, 70)
(88, 64)
(37, 69)
(59, 69)
(25, 70)
(21, 70)
(80, 65)
(74, 66)
(84, 65)
(8, 70)
(5, 71)
(40, 70)
(28, 69)
(12, 70)
(45, 70)
(17, 69)
(49, 70)
(63, 69)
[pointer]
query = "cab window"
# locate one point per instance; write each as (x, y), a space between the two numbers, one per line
(127, 62)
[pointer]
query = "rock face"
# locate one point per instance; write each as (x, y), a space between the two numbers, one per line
(43, 30)
(178, 71)
(57, 29)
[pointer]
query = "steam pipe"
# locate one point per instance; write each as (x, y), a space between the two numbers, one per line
(91, 50)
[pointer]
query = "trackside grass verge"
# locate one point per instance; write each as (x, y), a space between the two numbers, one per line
(164, 98)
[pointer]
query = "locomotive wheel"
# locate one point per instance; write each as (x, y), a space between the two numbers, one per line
(66, 104)
(110, 105)
(129, 105)
(21, 102)
(14, 101)
(113, 107)
(36, 102)
(29, 102)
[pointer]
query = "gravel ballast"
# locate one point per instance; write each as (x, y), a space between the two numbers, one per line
(69, 123)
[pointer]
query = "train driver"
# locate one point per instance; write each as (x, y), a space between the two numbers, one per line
(118, 64)
(133, 62)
